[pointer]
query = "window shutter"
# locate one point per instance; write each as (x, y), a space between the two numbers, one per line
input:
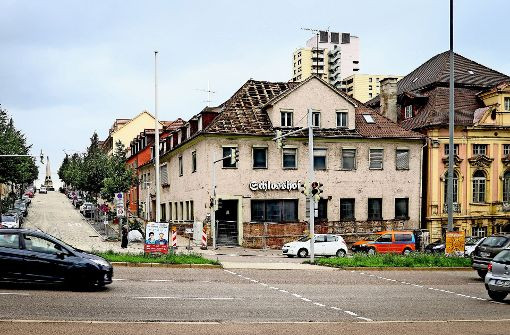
(402, 159)
(376, 158)
(163, 171)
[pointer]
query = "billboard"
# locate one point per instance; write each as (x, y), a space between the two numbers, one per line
(156, 237)
(454, 243)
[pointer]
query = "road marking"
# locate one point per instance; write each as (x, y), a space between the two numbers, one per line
(365, 319)
(319, 304)
(283, 291)
(296, 295)
(351, 313)
(188, 298)
(14, 293)
(305, 299)
(158, 280)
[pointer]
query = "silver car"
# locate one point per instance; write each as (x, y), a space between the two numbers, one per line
(497, 280)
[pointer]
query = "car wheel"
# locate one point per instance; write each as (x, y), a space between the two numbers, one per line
(406, 252)
(371, 251)
(340, 253)
(482, 273)
(497, 296)
(302, 253)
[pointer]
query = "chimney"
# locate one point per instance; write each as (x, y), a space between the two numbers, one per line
(388, 98)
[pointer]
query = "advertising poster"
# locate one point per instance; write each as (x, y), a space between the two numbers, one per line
(156, 237)
(454, 243)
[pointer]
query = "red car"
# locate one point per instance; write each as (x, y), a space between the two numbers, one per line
(30, 194)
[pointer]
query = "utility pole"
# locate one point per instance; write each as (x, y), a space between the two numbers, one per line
(156, 136)
(213, 204)
(311, 177)
(451, 145)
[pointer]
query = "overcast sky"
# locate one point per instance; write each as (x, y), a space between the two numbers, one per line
(69, 68)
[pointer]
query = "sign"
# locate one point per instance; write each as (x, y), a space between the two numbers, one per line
(120, 211)
(119, 199)
(188, 231)
(156, 237)
(274, 186)
(454, 243)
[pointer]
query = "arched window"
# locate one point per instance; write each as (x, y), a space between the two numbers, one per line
(506, 187)
(455, 187)
(479, 182)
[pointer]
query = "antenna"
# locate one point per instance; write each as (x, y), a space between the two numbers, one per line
(316, 31)
(208, 91)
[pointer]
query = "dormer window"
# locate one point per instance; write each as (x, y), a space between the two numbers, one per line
(368, 118)
(316, 119)
(507, 104)
(287, 118)
(408, 111)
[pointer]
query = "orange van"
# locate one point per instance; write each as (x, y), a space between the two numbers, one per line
(391, 241)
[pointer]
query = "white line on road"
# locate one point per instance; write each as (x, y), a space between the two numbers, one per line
(283, 291)
(14, 293)
(351, 313)
(188, 298)
(319, 304)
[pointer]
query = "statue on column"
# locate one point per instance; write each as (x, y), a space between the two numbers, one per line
(47, 181)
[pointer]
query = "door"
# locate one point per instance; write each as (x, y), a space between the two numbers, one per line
(383, 243)
(11, 256)
(226, 218)
(319, 246)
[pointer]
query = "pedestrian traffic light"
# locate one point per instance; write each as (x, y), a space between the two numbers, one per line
(279, 139)
(234, 156)
(304, 187)
(316, 190)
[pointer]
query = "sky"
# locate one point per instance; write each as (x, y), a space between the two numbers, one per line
(69, 68)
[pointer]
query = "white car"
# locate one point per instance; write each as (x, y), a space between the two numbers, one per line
(471, 244)
(43, 190)
(324, 245)
(10, 221)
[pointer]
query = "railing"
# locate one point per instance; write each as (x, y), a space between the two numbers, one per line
(505, 206)
(456, 208)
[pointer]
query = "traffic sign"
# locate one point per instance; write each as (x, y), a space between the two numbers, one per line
(119, 199)
(120, 212)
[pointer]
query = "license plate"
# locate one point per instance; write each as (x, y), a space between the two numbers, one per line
(501, 282)
(484, 254)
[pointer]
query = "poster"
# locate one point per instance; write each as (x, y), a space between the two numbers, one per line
(454, 243)
(156, 237)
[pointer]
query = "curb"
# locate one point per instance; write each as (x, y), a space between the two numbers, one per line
(358, 268)
(166, 265)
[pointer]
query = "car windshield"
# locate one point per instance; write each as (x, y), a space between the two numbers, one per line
(8, 218)
(495, 241)
(503, 257)
(304, 239)
(472, 240)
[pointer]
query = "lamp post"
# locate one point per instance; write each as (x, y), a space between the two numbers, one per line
(451, 128)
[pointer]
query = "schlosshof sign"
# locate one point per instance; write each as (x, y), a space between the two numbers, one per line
(274, 186)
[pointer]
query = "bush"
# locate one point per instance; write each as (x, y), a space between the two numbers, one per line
(149, 258)
(394, 260)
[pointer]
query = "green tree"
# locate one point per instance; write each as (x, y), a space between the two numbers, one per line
(94, 168)
(120, 176)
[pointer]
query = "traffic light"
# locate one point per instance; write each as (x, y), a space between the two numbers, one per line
(279, 139)
(316, 191)
(304, 187)
(234, 156)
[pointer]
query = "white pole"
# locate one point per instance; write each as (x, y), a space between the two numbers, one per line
(311, 178)
(156, 136)
(213, 195)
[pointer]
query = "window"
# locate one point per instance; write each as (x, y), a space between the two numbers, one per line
(479, 149)
(163, 171)
(479, 232)
(384, 238)
(506, 187)
(370, 95)
(347, 206)
(227, 163)
(180, 166)
(170, 212)
(193, 161)
(341, 119)
(316, 119)
(259, 158)
(447, 149)
(319, 159)
(289, 158)
(479, 187)
(369, 80)
(286, 118)
(507, 104)
(191, 211)
(163, 212)
(374, 209)
(402, 159)
(408, 111)
(376, 159)
(181, 205)
(402, 208)
(368, 118)
(455, 188)
(506, 149)
(322, 210)
(9, 241)
(369, 87)
(403, 237)
(274, 210)
(348, 159)
(37, 244)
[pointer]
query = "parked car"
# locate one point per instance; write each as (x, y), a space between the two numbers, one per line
(88, 209)
(17, 213)
(77, 202)
(471, 243)
(324, 245)
(43, 190)
(10, 221)
(34, 256)
(21, 206)
(485, 252)
(497, 280)
(436, 247)
(29, 194)
(26, 199)
(399, 242)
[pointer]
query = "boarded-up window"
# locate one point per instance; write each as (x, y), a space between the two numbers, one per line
(163, 172)
(376, 159)
(402, 159)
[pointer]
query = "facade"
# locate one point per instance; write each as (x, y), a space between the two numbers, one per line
(481, 137)
(332, 56)
(370, 167)
(364, 87)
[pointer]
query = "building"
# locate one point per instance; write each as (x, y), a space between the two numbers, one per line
(364, 87)
(370, 166)
(482, 140)
(332, 56)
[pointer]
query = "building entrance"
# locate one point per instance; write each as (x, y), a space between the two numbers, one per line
(226, 216)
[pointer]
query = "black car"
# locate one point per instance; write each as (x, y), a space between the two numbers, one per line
(33, 256)
(437, 247)
(485, 252)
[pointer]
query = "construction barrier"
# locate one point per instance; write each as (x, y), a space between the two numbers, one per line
(204, 239)
(174, 238)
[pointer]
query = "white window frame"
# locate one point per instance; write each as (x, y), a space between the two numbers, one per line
(342, 112)
(506, 103)
(287, 112)
(314, 115)
(296, 154)
(408, 111)
(506, 149)
(325, 159)
(180, 166)
(370, 158)
(193, 161)
(342, 158)
(408, 158)
(477, 149)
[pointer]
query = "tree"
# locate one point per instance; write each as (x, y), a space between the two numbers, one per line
(95, 168)
(120, 176)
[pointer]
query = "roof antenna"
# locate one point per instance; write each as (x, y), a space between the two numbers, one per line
(316, 31)
(208, 91)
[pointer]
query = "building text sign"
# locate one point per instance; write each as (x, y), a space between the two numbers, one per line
(265, 186)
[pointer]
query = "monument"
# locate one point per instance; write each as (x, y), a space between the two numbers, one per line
(47, 181)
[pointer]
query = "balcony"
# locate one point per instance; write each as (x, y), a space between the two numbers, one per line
(456, 208)
(505, 207)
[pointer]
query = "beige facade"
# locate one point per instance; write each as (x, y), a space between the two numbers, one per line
(364, 87)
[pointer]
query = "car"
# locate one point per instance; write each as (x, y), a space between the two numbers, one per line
(84, 206)
(77, 202)
(17, 213)
(324, 245)
(88, 209)
(26, 199)
(33, 256)
(485, 252)
(43, 190)
(470, 245)
(436, 247)
(21, 206)
(10, 221)
(497, 280)
(391, 241)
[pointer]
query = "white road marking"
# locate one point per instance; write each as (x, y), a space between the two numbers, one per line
(365, 319)
(14, 293)
(188, 298)
(305, 299)
(296, 295)
(283, 291)
(263, 284)
(274, 288)
(158, 280)
(351, 313)
(319, 304)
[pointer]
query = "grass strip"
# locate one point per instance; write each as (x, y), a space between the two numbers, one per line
(183, 258)
(415, 260)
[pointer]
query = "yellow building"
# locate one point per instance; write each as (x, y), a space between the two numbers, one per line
(481, 181)
(364, 87)
(308, 61)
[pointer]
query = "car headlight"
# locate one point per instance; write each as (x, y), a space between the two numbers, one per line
(101, 262)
